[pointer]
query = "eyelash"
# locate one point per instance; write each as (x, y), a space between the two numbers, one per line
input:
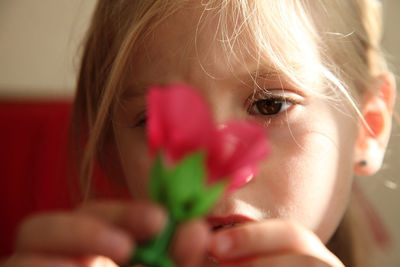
(142, 119)
(284, 102)
(141, 123)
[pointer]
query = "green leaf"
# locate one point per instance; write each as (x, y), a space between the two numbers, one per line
(204, 201)
(182, 189)
(184, 182)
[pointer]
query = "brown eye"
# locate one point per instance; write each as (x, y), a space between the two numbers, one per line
(270, 106)
(142, 121)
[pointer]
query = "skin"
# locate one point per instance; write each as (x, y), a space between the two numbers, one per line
(296, 200)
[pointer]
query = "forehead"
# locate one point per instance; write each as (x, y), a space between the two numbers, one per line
(226, 44)
(192, 41)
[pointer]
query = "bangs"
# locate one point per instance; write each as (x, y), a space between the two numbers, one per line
(275, 35)
(312, 44)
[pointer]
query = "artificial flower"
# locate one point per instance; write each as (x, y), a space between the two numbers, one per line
(194, 161)
(179, 122)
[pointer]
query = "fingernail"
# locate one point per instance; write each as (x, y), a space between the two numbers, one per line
(118, 244)
(160, 216)
(223, 243)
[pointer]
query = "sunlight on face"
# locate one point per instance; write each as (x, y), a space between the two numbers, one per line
(307, 176)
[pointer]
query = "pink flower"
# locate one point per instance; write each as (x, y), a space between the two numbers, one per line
(179, 122)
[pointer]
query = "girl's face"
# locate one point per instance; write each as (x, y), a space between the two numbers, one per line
(308, 174)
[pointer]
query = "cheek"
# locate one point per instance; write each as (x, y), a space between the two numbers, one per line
(134, 159)
(308, 176)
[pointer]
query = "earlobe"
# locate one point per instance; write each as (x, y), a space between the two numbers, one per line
(370, 158)
(374, 131)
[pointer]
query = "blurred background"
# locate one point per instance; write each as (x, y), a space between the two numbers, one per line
(39, 57)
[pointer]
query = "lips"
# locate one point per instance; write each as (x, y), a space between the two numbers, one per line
(219, 223)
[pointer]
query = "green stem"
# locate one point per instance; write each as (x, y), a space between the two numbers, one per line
(155, 252)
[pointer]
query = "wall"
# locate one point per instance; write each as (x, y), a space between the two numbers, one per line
(39, 46)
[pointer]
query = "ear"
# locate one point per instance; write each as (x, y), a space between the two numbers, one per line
(374, 132)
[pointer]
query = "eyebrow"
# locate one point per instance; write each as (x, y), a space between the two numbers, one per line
(139, 89)
(274, 75)
(263, 74)
(134, 90)
(266, 73)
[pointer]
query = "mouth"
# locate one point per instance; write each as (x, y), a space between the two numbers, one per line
(226, 226)
(226, 222)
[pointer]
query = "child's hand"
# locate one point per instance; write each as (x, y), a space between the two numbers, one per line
(272, 242)
(105, 232)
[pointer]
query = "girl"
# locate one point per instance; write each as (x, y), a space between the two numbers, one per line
(311, 72)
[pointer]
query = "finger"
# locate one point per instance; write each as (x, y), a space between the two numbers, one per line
(142, 219)
(97, 261)
(65, 233)
(280, 261)
(268, 238)
(190, 244)
(20, 260)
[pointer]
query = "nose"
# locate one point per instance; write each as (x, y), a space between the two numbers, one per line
(224, 100)
(224, 105)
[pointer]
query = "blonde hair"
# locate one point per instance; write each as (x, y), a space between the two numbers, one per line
(338, 41)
